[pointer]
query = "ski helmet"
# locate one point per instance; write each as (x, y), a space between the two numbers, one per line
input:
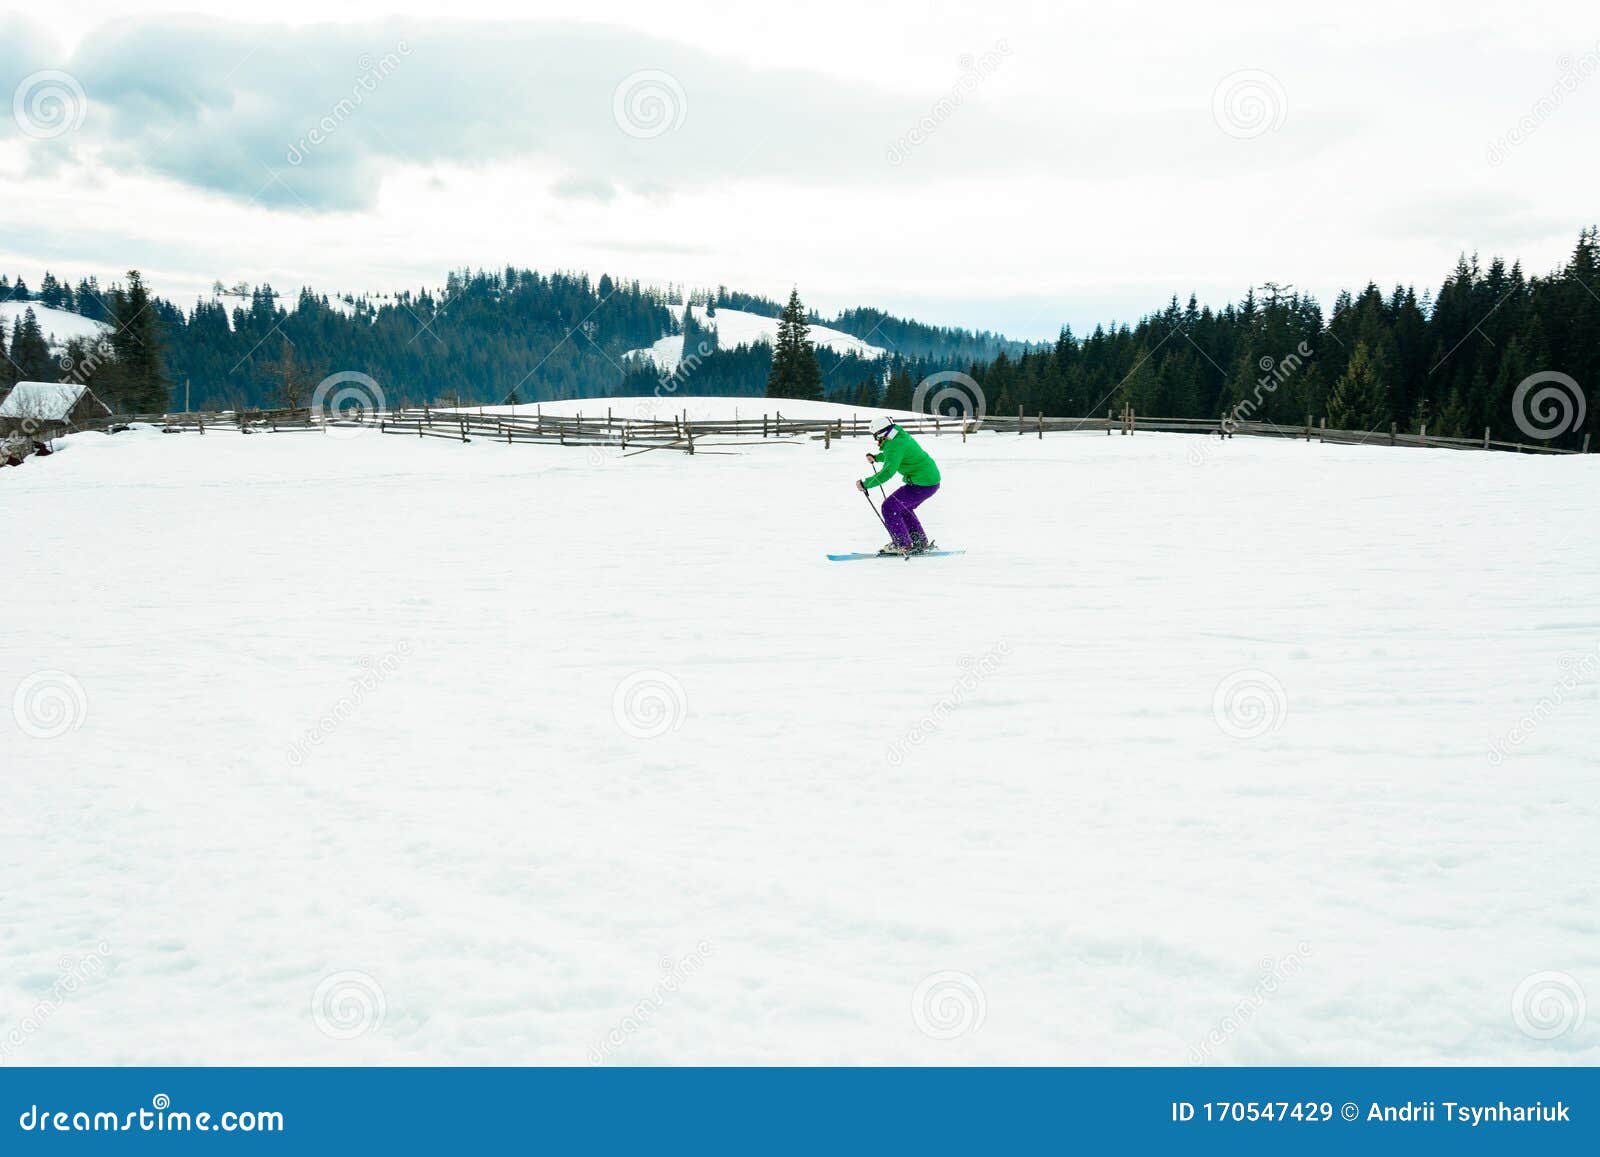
(883, 429)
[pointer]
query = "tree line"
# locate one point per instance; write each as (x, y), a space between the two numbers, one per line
(1451, 361)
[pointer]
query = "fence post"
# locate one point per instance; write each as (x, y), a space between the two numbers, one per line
(1108, 422)
(687, 432)
(965, 424)
(1394, 430)
(201, 422)
(1585, 444)
(827, 437)
(1308, 427)
(1486, 437)
(538, 417)
(1041, 425)
(1424, 432)
(763, 425)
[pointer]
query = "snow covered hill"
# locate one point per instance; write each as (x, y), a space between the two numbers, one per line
(59, 325)
(403, 750)
(736, 327)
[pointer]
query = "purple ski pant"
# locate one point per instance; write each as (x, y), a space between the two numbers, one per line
(899, 513)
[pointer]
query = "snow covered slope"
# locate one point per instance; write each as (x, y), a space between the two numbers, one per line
(407, 751)
(736, 327)
(59, 325)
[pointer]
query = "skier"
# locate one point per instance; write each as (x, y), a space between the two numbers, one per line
(900, 453)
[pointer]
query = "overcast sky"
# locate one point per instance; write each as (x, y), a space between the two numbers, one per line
(998, 165)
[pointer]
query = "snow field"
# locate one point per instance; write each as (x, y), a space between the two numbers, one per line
(405, 751)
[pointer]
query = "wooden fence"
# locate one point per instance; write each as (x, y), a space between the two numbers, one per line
(630, 434)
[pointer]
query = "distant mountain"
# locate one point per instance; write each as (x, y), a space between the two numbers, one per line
(514, 335)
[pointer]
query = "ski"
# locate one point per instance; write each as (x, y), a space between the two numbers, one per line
(874, 554)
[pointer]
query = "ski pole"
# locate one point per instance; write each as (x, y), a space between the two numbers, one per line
(881, 522)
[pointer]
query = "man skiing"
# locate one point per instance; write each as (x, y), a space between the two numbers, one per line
(900, 453)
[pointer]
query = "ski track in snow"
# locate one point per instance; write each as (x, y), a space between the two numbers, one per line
(785, 873)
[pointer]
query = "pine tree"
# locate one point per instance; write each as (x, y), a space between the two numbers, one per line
(137, 344)
(795, 372)
(30, 352)
(1358, 401)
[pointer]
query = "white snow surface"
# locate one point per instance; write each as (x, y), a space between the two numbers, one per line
(59, 325)
(406, 751)
(735, 327)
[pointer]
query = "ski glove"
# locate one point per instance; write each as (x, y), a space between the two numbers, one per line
(860, 487)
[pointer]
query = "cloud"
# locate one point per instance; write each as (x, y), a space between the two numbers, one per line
(313, 117)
